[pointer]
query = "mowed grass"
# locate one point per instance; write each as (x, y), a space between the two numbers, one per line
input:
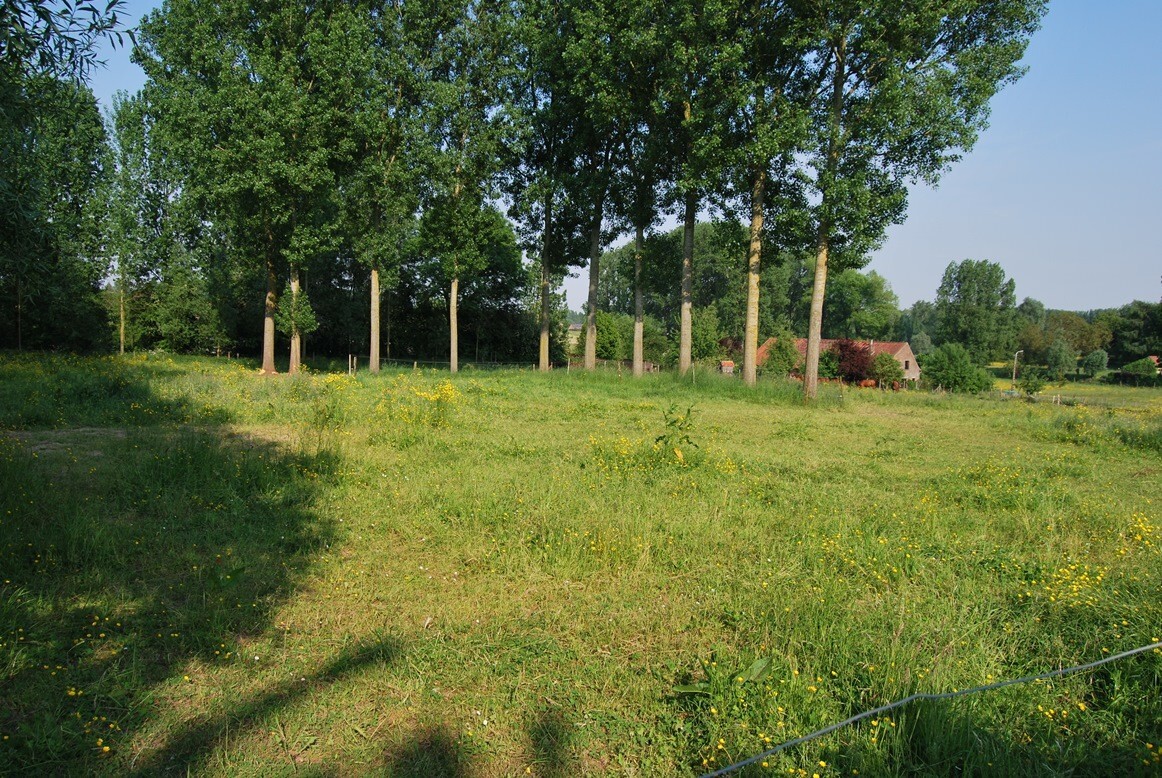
(207, 572)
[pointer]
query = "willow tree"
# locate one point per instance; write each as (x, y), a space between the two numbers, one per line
(51, 257)
(902, 89)
(50, 147)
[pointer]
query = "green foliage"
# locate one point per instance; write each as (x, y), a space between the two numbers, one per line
(860, 306)
(1060, 359)
(51, 198)
(886, 369)
(783, 358)
(1144, 367)
(1095, 362)
(887, 114)
(950, 367)
(719, 280)
(1081, 335)
(705, 335)
(975, 307)
(611, 336)
(1031, 381)
(1042, 331)
(182, 312)
(921, 344)
(676, 428)
(1135, 330)
(917, 320)
(829, 364)
(267, 180)
(294, 313)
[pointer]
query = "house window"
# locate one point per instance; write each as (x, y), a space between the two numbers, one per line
(906, 364)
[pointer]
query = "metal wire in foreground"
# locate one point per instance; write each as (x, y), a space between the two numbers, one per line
(923, 696)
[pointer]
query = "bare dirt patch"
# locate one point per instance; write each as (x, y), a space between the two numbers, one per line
(77, 440)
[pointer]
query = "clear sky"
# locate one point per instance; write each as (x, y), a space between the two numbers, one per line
(1064, 189)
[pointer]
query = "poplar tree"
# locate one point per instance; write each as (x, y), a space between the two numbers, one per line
(644, 164)
(696, 33)
(540, 159)
(137, 234)
(251, 104)
(467, 123)
(382, 190)
(598, 115)
(901, 89)
(768, 124)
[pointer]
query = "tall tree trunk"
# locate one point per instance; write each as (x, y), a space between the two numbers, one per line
(374, 361)
(750, 338)
(296, 338)
(594, 271)
(815, 322)
(638, 308)
(453, 325)
(546, 288)
(268, 318)
(19, 314)
(823, 245)
(686, 325)
(121, 315)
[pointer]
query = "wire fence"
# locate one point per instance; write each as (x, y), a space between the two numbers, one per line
(924, 696)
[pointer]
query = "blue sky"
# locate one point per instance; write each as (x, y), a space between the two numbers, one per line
(1064, 189)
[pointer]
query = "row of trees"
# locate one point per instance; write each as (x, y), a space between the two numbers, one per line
(974, 307)
(342, 139)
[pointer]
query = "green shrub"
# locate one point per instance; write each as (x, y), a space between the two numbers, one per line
(1144, 367)
(951, 367)
(886, 369)
(1031, 381)
(611, 337)
(783, 356)
(828, 364)
(705, 334)
(1060, 359)
(1095, 362)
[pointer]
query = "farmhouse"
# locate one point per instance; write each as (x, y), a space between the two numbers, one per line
(898, 349)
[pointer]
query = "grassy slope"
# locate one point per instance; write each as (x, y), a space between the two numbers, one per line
(507, 574)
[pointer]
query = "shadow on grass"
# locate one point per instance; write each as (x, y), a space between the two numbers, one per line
(128, 554)
(551, 735)
(189, 747)
(433, 753)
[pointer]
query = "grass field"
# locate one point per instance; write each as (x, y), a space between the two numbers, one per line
(207, 572)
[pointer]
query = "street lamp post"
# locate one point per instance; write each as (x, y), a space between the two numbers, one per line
(1022, 351)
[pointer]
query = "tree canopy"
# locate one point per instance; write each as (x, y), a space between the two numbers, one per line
(286, 164)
